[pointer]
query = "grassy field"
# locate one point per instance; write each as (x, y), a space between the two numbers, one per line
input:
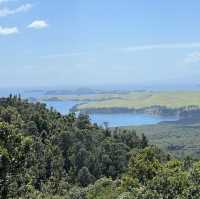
(146, 99)
(180, 140)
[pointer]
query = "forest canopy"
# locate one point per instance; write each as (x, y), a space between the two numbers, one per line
(44, 154)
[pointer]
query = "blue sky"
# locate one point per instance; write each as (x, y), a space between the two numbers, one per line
(99, 43)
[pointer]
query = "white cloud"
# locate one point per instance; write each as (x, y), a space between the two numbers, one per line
(193, 57)
(38, 24)
(161, 46)
(7, 11)
(8, 31)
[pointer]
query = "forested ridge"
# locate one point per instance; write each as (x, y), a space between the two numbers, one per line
(44, 154)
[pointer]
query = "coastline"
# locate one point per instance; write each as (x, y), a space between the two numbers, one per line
(183, 113)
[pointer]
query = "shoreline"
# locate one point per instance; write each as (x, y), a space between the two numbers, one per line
(183, 113)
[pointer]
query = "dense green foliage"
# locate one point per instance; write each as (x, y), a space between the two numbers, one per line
(151, 175)
(44, 154)
(179, 139)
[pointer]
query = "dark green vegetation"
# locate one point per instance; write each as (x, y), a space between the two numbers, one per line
(43, 151)
(180, 139)
(46, 155)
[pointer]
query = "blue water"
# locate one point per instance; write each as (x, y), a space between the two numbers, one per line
(127, 119)
(113, 120)
(61, 106)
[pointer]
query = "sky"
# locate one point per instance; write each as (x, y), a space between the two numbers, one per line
(99, 43)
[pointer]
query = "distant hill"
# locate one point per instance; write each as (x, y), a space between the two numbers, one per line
(79, 91)
(141, 100)
(83, 91)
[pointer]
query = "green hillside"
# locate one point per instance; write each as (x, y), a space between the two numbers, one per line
(147, 99)
(178, 139)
